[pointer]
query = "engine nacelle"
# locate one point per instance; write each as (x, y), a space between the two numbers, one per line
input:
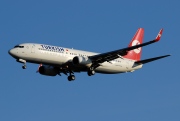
(79, 60)
(48, 71)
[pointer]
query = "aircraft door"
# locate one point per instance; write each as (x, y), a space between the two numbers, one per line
(33, 49)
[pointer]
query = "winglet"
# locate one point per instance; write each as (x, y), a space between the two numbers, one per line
(159, 35)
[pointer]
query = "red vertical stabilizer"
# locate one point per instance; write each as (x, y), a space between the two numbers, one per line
(137, 39)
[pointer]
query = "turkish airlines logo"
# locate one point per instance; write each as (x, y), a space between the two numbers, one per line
(136, 42)
(159, 35)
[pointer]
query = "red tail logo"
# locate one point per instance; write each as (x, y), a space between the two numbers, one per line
(136, 40)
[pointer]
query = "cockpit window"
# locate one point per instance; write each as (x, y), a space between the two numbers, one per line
(18, 46)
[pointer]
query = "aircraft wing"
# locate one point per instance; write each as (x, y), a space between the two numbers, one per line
(108, 56)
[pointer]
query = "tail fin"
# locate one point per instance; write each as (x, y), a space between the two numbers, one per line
(136, 40)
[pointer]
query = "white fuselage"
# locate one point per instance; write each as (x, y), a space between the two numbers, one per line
(58, 56)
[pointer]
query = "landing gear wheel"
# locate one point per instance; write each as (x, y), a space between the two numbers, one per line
(24, 66)
(71, 78)
(91, 72)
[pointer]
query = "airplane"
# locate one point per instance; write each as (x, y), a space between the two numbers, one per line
(56, 60)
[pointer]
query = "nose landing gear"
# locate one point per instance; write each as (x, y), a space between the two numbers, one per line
(24, 66)
(22, 61)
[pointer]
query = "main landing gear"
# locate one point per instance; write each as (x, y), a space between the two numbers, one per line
(91, 72)
(68, 72)
(71, 77)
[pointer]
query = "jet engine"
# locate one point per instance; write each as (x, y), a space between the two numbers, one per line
(48, 71)
(80, 60)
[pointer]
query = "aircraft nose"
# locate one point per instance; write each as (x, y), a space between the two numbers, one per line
(10, 52)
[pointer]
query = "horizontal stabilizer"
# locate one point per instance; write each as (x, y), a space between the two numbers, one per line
(150, 59)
